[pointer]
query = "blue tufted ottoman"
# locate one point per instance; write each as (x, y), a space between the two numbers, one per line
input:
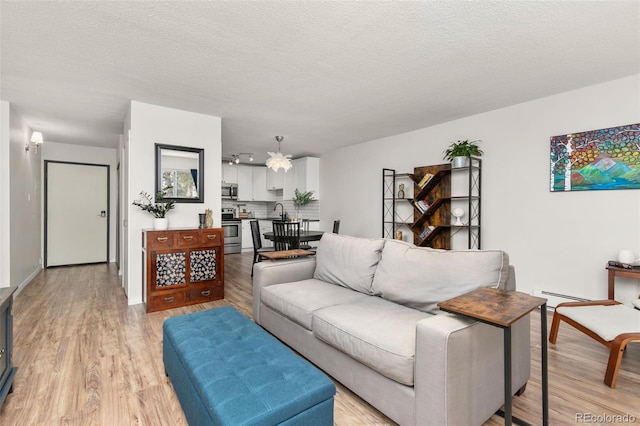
(226, 370)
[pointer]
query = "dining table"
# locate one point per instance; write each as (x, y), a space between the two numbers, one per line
(304, 235)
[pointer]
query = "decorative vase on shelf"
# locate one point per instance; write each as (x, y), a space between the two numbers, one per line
(459, 162)
(160, 223)
(457, 213)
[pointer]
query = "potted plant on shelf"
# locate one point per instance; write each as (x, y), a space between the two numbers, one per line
(301, 199)
(158, 208)
(459, 152)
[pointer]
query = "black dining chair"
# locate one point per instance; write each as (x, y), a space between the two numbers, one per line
(336, 226)
(257, 243)
(305, 227)
(286, 235)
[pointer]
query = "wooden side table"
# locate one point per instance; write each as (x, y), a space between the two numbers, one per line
(502, 309)
(286, 254)
(615, 271)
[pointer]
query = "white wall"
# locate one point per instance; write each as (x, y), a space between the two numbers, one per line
(557, 241)
(5, 196)
(24, 204)
(151, 124)
(53, 151)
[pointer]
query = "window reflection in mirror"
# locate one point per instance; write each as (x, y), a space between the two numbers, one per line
(181, 169)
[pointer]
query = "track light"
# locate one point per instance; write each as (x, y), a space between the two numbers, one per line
(235, 158)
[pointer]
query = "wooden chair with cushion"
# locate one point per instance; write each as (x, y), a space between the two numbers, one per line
(286, 235)
(607, 321)
(257, 243)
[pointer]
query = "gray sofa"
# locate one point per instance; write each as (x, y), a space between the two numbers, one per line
(365, 311)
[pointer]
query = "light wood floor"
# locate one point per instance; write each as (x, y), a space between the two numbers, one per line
(86, 358)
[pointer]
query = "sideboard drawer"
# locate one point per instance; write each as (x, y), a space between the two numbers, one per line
(159, 241)
(211, 238)
(188, 238)
(159, 302)
(205, 294)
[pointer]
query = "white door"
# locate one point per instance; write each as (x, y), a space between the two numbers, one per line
(76, 209)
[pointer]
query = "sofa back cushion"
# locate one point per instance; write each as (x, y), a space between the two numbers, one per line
(348, 261)
(420, 277)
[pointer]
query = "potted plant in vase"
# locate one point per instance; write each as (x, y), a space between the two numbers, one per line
(158, 208)
(459, 152)
(301, 199)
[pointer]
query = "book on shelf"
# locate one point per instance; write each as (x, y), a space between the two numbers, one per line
(421, 205)
(426, 178)
(426, 231)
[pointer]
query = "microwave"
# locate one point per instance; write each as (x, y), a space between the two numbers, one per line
(229, 191)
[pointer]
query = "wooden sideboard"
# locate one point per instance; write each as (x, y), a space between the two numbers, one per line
(7, 370)
(182, 267)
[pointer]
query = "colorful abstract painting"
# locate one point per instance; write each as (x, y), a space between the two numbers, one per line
(596, 159)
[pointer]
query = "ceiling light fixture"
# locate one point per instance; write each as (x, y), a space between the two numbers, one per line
(36, 139)
(235, 158)
(277, 160)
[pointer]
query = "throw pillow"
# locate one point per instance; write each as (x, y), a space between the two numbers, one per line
(348, 261)
(420, 277)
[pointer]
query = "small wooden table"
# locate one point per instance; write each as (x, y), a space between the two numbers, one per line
(502, 309)
(286, 254)
(615, 271)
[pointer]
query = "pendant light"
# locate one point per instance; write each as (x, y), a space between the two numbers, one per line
(277, 160)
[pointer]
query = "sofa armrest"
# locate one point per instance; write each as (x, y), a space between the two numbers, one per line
(510, 284)
(270, 272)
(459, 370)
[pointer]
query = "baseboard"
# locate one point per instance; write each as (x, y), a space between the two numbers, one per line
(27, 281)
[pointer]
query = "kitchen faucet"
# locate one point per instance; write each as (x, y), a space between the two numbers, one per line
(282, 215)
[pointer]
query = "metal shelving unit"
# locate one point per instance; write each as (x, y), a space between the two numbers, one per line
(437, 192)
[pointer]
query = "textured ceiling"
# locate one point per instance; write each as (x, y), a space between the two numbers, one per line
(322, 73)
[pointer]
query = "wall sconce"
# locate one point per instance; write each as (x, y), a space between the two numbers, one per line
(36, 139)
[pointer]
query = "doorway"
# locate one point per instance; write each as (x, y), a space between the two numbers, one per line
(76, 209)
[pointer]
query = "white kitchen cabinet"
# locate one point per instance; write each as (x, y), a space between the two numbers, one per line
(260, 192)
(229, 173)
(305, 176)
(252, 184)
(245, 183)
(265, 226)
(275, 180)
(247, 239)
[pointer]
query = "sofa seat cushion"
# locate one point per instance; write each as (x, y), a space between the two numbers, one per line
(298, 300)
(420, 277)
(376, 332)
(348, 261)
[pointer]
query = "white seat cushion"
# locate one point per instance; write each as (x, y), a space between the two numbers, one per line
(298, 300)
(376, 332)
(607, 321)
